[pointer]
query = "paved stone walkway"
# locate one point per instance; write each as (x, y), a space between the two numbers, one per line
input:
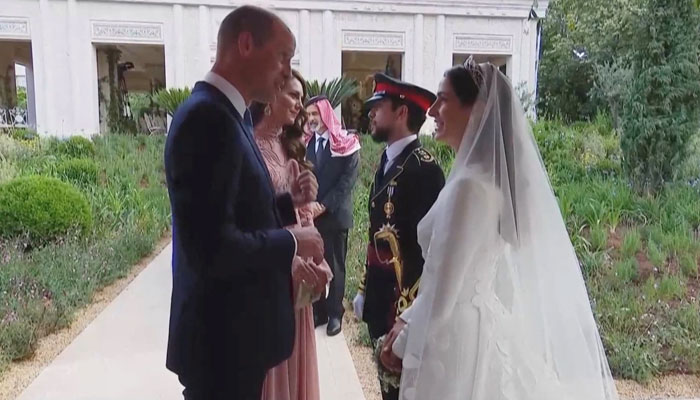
(121, 354)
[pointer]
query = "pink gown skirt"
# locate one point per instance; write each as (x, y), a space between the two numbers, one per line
(297, 377)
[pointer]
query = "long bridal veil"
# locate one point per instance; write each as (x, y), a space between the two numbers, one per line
(498, 257)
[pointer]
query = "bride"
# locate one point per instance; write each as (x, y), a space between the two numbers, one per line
(502, 312)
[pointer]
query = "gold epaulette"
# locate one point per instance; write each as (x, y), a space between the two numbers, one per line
(423, 155)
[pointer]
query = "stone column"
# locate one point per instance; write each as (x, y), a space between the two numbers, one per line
(441, 63)
(418, 39)
(77, 70)
(304, 42)
(31, 97)
(178, 23)
(40, 58)
(204, 42)
(329, 53)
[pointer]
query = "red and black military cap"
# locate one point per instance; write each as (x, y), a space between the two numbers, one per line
(388, 87)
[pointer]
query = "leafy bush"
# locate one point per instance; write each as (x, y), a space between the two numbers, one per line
(42, 209)
(75, 147)
(80, 171)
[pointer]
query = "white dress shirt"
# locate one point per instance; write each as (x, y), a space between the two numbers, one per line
(396, 148)
(325, 140)
(233, 95)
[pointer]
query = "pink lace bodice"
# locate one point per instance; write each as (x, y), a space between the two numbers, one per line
(279, 166)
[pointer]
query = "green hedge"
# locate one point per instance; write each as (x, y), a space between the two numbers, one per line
(42, 209)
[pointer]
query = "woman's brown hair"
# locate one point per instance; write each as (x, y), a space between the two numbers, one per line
(292, 135)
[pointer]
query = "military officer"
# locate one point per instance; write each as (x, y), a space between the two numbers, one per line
(406, 185)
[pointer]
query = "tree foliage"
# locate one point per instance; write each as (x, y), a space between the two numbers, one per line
(579, 36)
(660, 111)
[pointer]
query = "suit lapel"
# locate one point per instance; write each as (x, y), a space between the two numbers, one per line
(396, 167)
(377, 178)
(239, 120)
(256, 150)
(311, 153)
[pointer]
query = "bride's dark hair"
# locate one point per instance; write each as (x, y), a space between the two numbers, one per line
(292, 135)
(463, 83)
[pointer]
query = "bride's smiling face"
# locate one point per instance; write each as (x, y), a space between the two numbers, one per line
(451, 115)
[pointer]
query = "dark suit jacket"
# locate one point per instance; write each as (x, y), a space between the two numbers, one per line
(231, 301)
(336, 178)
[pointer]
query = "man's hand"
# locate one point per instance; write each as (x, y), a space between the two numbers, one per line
(309, 243)
(358, 305)
(304, 185)
(311, 274)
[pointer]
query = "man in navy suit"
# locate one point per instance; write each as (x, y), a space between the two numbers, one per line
(335, 155)
(232, 316)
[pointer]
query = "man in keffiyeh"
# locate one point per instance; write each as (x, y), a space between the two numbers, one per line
(336, 159)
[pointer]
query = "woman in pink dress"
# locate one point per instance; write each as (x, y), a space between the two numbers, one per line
(278, 133)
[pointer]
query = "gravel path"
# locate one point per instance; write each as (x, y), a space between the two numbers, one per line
(362, 357)
(19, 375)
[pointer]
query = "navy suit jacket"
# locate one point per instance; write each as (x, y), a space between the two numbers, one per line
(336, 179)
(231, 305)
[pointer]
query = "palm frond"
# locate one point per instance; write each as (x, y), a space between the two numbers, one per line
(337, 90)
(170, 99)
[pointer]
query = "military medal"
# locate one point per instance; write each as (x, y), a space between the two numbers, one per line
(389, 206)
(389, 209)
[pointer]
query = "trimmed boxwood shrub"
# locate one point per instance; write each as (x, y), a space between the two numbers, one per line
(42, 209)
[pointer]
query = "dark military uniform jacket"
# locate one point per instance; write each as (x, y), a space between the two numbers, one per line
(398, 201)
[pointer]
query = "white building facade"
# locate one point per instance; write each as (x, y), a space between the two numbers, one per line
(57, 41)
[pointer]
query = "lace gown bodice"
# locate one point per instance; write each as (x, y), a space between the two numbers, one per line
(278, 164)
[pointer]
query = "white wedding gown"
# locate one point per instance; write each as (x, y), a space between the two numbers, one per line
(502, 311)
